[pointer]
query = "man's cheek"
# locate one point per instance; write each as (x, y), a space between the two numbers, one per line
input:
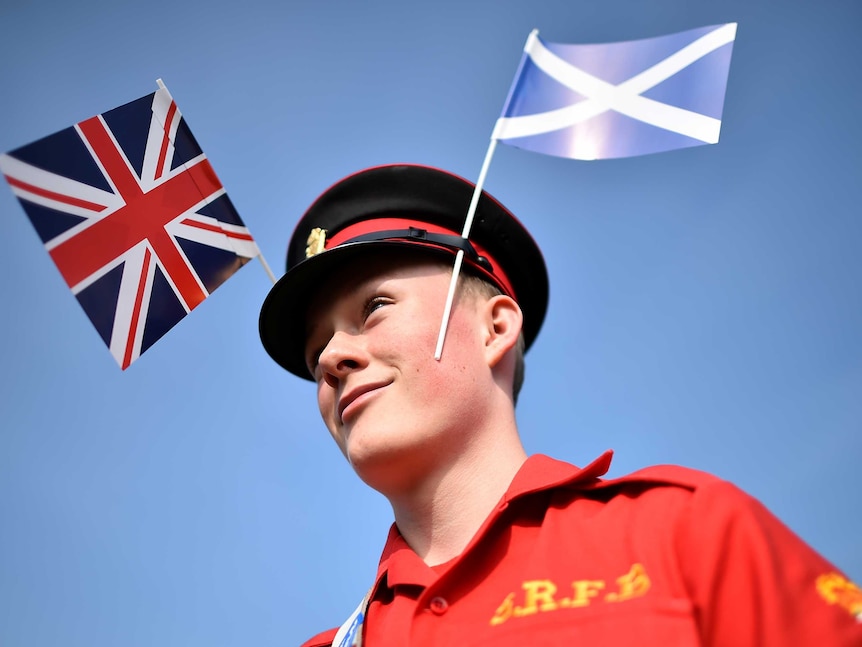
(324, 399)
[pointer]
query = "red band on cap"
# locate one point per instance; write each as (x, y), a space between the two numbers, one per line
(497, 275)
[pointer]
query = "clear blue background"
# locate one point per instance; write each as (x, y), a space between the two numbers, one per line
(705, 307)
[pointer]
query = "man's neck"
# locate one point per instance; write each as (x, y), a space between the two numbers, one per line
(440, 516)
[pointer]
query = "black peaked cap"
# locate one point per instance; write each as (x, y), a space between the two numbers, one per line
(354, 218)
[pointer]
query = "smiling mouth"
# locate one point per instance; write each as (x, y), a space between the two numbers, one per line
(354, 400)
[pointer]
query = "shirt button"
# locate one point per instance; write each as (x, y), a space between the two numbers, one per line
(438, 606)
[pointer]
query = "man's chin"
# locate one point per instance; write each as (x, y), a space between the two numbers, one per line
(384, 467)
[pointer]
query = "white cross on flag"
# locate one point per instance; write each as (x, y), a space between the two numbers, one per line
(619, 99)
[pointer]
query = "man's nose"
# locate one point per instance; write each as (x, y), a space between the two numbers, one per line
(343, 354)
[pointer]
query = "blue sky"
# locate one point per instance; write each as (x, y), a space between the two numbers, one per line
(705, 303)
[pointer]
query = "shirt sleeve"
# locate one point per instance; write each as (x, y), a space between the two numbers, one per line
(755, 583)
(323, 639)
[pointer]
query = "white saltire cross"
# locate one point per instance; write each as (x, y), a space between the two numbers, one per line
(625, 98)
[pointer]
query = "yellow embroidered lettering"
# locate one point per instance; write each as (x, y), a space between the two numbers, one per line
(584, 590)
(837, 589)
(538, 596)
(504, 611)
(633, 584)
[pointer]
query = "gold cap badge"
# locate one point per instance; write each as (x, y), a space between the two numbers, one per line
(315, 242)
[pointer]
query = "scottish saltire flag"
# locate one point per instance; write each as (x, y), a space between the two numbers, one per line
(619, 99)
(132, 213)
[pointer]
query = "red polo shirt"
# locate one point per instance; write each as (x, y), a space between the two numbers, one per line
(666, 556)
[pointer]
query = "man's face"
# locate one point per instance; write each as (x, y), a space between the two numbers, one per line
(389, 405)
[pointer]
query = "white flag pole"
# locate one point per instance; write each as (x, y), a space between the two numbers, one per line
(459, 259)
(465, 234)
(266, 267)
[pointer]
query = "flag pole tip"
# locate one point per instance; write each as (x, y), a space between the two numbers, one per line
(161, 84)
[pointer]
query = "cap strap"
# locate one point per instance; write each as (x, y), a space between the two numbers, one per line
(444, 240)
(411, 230)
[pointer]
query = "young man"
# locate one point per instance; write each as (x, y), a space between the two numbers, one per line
(490, 546)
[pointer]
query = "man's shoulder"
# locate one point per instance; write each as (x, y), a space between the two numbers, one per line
(543, 472)
(673, 487)
(664, 475)
(323, 639)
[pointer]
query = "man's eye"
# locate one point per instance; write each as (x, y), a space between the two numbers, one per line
(373, 304)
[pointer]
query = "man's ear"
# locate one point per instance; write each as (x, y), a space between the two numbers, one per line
(504, 321)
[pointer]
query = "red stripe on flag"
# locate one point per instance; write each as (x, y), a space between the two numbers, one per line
(136, 312)
(59, 197)
(163, 153)
(143, 217)
(208, 227)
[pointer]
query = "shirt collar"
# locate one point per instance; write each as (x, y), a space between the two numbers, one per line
(401, 565)
(540, 472)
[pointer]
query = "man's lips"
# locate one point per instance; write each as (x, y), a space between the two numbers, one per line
(351, 396)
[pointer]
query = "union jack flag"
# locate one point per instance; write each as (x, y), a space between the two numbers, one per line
(134, 216)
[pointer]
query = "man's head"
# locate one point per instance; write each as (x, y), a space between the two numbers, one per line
(360, 307)
(384, 398)
(415, 208)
